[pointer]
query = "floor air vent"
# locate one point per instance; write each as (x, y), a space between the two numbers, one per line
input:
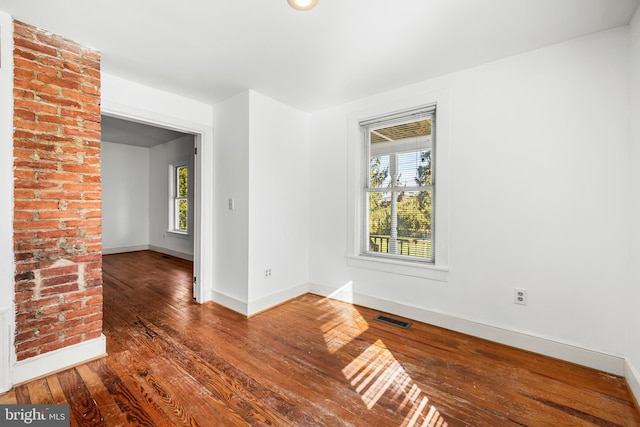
(392, 321)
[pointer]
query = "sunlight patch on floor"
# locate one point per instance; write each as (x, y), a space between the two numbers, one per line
(342, 324)
(376, 372)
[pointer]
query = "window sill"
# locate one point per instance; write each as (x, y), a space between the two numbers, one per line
(178, 233)
(414, 269)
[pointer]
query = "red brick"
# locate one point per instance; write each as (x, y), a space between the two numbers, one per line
(35, 126)
(36, 342)
(58, 214)
(79, 96)
(59, 271)
(23, 296)
(32, 65)
(20, 53)
(57, 120)
(34, 205)
(40, 143)
(72, 167)
(60, 289)
(24, 174)
(40, 302)
(18, 134)
(93, 214)
(39, 224)
(23, 215)
(36, 185)
(36, 47)
(41, 107)
(67, 177)
(60, 101)
(61, 344)
(24, 74)
(93, 335)
(54, 234)
(23, 194)
(34, 164)
(87, 116)
(88, 311)
(93, 326)
(38, 87)
(60, 195)
(89, 204)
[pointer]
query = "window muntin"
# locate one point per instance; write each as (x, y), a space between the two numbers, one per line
(180, 202)
(399, 186)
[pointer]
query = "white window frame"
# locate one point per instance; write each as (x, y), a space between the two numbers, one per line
(358, 166)
(173, 197)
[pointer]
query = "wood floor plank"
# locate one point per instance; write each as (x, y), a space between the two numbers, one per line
(83, 407)
(39, 391)
(312, 361)
(22, 394)
(8, 398)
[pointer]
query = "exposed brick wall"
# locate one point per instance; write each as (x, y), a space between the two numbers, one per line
(57, 192)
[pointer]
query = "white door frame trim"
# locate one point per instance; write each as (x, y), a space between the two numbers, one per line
(203, 255)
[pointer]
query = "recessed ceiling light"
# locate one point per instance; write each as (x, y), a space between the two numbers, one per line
(303, 4)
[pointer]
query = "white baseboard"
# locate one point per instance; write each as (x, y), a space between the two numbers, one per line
(6, 345)
(278, 298)
(58, 360)
(123, 249)
(633, 379)
(568, 352)
(254, 307)
(177, 254)
(230, 302)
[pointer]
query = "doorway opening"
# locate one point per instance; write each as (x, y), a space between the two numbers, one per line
(151, 181)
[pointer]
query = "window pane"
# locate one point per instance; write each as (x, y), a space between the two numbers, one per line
(182, 214)
(408, 215)
(414, 168)
(182, 178)
(379, 172)
(401, 154)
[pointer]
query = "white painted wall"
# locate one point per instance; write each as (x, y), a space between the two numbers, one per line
(633, 297)
(539, 178)
(160, 157)
(279, 202)
(232, 181)
(6, 199)
(125, 197)
(261, 163)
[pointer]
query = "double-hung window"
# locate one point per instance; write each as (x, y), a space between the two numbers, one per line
(179, 199)
(399, 192)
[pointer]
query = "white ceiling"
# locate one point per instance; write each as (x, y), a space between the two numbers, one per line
(133, 133)
(340, 51)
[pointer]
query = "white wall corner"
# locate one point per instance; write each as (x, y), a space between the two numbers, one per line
(593, 359)
(230, 302)
(270, 301)
(167, 251)
(633, 380)
(124, 249)
(58, 360)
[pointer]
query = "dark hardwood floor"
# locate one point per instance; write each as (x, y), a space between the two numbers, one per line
(312, 361)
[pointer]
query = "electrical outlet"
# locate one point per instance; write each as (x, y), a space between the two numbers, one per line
(520, 296)
(267, 273)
